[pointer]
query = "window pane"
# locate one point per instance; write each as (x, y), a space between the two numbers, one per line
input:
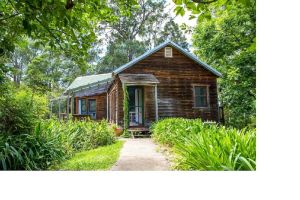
(201, 101)
(83, 106)
(201, 96)
(200, 90)
(92, 105)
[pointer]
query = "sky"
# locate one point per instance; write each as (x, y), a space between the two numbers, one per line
(181, 19)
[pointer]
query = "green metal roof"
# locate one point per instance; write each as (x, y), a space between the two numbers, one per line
(88, 81)
(172, 44)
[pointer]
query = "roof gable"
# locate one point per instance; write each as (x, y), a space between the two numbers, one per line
(162, 45)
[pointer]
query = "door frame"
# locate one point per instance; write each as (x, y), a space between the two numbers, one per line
(143, 104)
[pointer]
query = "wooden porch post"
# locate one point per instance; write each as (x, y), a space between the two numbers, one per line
(156, 104)
(72, 104)
(117, 106)
(68, 106)
(107, 105)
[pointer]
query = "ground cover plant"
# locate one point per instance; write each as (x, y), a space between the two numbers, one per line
(101, 158)
(200, 146)
(52, 142)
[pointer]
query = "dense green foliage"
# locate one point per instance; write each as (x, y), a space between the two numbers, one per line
(202, 9)
(200, 146)
(102, 158)
(227, 41)
(20, 109)
(52, 142)
(68, 25)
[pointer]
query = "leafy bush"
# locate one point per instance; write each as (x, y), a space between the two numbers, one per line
(84, 135)
(166, 131)
(200, 146)
(20, 110)
(52, 142)
(31, 151)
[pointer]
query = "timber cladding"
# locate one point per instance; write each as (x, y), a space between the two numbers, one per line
(177, 77)
(100, 105)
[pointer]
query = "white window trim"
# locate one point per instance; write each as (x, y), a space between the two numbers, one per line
(171, 52)
(207, 95)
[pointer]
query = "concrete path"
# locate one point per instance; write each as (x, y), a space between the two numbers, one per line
(140, 155)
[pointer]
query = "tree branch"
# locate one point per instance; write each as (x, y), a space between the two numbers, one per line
(204, 2)
(49, 31)
(11, 16)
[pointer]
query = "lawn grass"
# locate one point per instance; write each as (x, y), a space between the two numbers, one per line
(102, 158)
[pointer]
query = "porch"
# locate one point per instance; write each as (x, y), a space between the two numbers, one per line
(136, 89)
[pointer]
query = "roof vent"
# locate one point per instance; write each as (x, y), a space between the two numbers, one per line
(168, 52)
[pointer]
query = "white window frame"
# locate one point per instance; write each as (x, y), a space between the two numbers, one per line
(207, 95)
(170, 55)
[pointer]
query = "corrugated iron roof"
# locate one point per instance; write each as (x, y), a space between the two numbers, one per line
(87, 81)
(162, 45)
(138, 79)
(93, 90)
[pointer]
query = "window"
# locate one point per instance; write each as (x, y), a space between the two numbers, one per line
(168, 52)
(83, 106)
(201, 96)
(92, 105)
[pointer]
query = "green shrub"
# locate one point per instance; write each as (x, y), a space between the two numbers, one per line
(34, 151)
(20, 110)
(126, 134)
(87, 135)
(166, 131)
(200, 146)
(52, 142)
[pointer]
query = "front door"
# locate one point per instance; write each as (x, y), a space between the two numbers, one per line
(136, 106)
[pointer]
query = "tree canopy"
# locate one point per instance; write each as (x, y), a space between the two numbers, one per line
(66, 24)
(227, 41)
(147, 26)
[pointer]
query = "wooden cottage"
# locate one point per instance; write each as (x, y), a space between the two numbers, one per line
(166, 81)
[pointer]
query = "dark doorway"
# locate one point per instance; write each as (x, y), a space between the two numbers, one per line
(136, 105)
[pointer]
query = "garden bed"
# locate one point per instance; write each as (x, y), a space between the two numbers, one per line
(199, 146)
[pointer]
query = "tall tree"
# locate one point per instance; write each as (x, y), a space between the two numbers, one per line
(117, 54)
(68, 25)
(24, 52)
(172, 31)
(227, 41)
(132, 35)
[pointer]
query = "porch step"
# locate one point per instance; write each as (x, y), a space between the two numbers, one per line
(139, 132)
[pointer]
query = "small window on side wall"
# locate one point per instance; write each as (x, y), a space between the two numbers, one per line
(201, 96)
(83, 109)
(168, 52)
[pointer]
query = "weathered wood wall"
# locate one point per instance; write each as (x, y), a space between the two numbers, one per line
(175, 90)
(100, 105)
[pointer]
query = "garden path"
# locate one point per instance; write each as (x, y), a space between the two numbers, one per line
(140, 155)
